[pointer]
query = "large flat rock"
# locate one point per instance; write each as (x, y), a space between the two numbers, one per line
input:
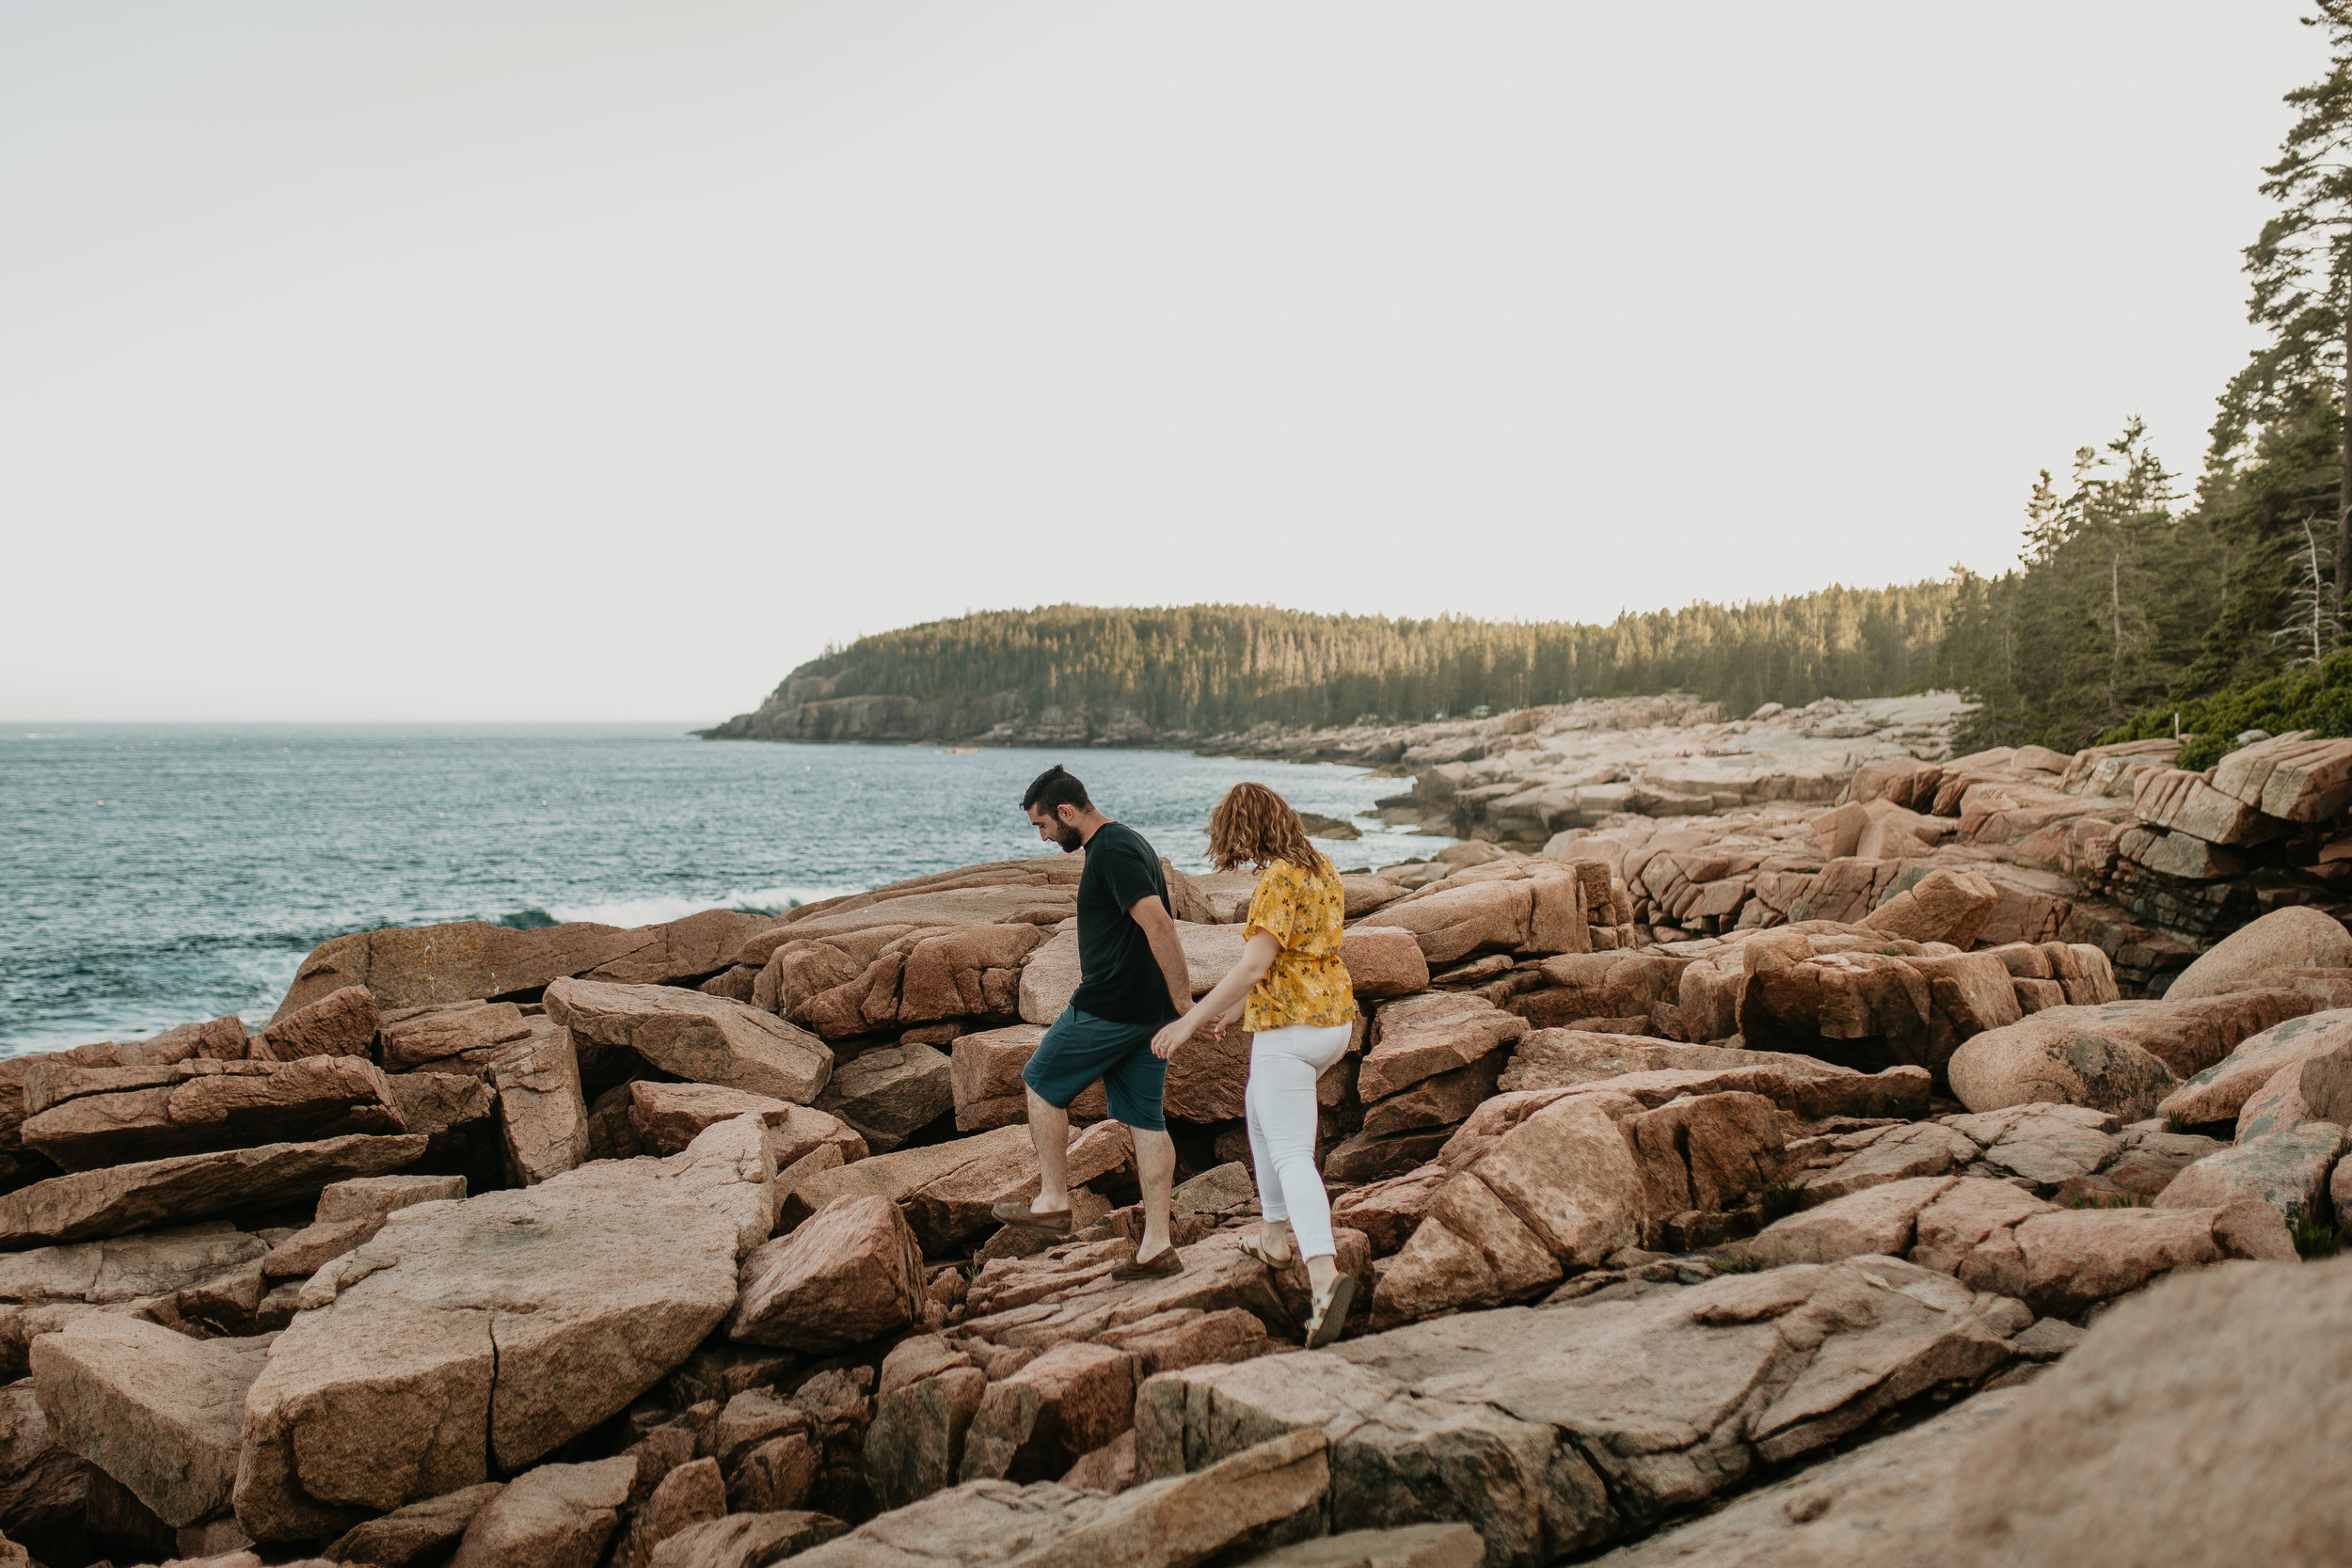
(708, 1039)
(414, 966)
(851, 1273)
(1173, 1522)
(85, 1117)
(2221, 1090)
(157, 1193)
(1564, 1058)
(2287, 1170)
(2199, 1426)
(128, 1268)
(472, 1338)
(156, 1410)
(1556, 1430)
(1419, 1036)
(2063, 1261)
(452, 1036)
(201, 1268)
(891, 1091)
(1017, 904)
(1885, 1505)
(2100, 1056)
(1866, 1000)
(555, 1517)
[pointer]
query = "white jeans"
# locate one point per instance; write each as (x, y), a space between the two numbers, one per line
(1283, 1065)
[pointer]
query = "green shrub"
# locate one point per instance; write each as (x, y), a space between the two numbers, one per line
(2314, 697)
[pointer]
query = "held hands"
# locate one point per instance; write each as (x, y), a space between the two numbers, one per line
(1194, 1020)
(1164, 1044)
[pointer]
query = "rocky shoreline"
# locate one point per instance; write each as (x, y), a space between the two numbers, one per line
(1779, 1175)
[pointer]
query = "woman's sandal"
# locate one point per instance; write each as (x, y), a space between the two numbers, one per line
(1331, 1316)
(1254, 1244)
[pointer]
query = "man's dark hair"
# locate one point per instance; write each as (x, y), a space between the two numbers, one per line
(1053, 789)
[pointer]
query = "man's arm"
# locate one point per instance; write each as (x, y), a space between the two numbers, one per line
(1160, 931)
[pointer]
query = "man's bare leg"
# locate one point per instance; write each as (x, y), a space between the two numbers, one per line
(1049, 1129)
(1155, 1172)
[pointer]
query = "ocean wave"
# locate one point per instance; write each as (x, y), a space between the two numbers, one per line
(655, 908)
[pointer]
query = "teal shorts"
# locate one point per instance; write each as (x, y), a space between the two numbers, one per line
(1080, 1048)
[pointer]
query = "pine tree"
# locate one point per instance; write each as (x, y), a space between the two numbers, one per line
(2301, 267)
(2107, 610)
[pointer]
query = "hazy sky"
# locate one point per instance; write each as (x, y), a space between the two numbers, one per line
(577, 359)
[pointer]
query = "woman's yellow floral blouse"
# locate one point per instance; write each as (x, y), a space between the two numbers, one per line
(1303, 910)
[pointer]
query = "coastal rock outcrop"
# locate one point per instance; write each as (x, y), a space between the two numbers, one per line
(708, 1039)
(85, 1118)
(2186, 1429)
(1641, 1163)
(156, 1410)
(849, 1274)
(1586, 1422)
(468, 1337)
(149, 1193)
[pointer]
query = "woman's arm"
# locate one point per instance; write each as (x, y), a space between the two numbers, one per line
(1257, 956)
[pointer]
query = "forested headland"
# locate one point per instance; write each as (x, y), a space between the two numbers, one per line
(2139, 596)
(1209, 667)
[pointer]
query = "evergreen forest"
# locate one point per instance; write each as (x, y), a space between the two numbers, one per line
(1206, 668)
(2139, 598)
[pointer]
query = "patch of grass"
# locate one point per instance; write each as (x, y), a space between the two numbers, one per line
(1779, 1200)
(1890, 952)
(1729, 1262)
(2175, 1122)
(2315, 1238)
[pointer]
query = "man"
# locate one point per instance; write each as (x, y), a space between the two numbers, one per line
(1132, 979)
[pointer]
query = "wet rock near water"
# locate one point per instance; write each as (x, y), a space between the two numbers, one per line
(1770, 1154)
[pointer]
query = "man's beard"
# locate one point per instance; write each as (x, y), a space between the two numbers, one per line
(1068, 838)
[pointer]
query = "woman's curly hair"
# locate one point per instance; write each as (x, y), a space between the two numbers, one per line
(1253, 825)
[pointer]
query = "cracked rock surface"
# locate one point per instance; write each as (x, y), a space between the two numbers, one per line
(1556, 1430)
(476, 1337)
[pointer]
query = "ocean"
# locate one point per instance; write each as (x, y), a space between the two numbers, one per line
(154, 873)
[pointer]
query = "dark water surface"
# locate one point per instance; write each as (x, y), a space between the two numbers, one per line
(154, 873)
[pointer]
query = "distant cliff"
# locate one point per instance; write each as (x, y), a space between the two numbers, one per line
(1070, 674)
(805, 707)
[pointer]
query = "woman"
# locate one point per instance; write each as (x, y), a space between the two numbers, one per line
(1300, 1004)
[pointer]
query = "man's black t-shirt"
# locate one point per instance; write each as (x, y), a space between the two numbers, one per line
(1119, 978)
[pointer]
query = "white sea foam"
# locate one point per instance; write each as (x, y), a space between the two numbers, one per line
(658, 907)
